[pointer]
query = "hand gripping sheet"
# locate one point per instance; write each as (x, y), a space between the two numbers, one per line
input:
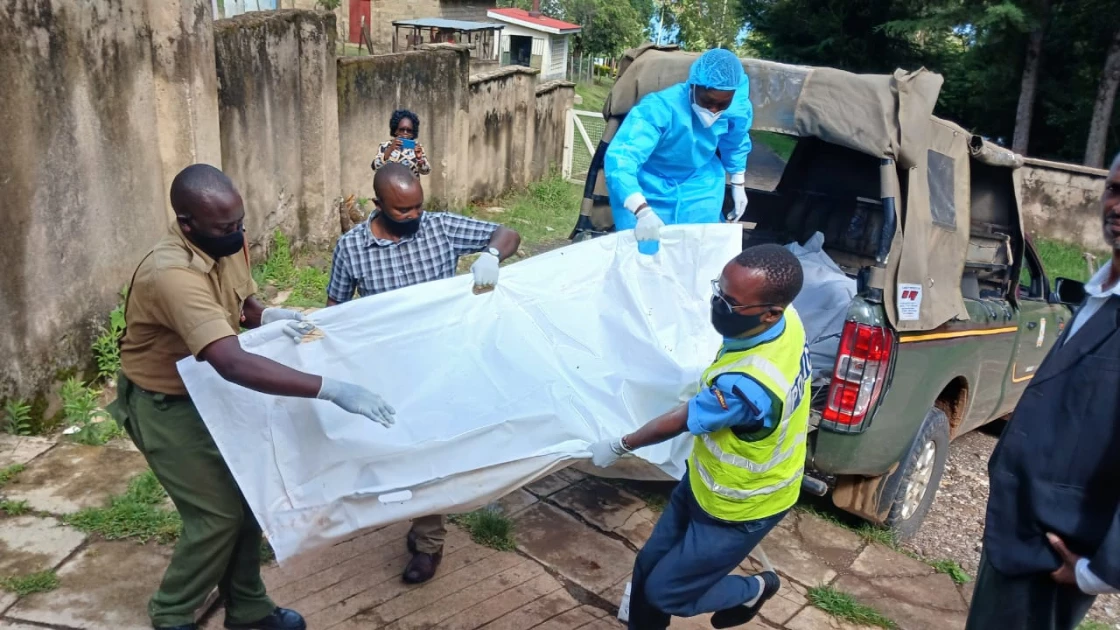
(492, 391)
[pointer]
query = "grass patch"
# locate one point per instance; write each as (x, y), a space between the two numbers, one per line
(544, 212)
(779, 143)
(15, 508)
(489, 528)
(845, 608)
(307, 284)
(137, 514)
(1062, 260)
(952, 569)
(594, 95)
(22, 585)
(1094, 625)
(9, 473)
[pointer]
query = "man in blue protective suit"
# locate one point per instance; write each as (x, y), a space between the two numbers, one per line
(662, 168)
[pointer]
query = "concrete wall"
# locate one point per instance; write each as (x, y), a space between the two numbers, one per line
(430, 82)
(553, 100)
(502, 130)
(279, 121)
(1062, 201)
(102, 101)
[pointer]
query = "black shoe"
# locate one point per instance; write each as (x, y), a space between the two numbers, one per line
(186, 626)
(740, 615)
(280, 619)
(422, 567)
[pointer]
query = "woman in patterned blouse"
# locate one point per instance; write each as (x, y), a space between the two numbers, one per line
(404, 127)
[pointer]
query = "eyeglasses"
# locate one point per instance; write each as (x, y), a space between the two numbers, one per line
(719, 295)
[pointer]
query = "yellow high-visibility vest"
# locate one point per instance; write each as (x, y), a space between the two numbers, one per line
(736, 480)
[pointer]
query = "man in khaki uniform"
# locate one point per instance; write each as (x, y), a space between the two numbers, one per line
(189, 297)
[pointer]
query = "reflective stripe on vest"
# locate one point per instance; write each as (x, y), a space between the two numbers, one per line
(740, 495)
(779, 456)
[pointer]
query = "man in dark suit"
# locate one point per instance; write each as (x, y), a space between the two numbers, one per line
(1052, 538)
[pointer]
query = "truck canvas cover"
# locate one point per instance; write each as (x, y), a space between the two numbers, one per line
(885, 116)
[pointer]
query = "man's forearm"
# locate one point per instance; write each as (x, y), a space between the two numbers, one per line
(662, 428)
(506, 241)
(258, 373)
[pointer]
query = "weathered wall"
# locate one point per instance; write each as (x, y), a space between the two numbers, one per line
(502, 130)
(1062, 201)
(433, 84)
(554, 99)
(96, 114)
(279, 121)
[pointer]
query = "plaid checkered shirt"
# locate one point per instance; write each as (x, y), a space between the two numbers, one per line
(370, 265)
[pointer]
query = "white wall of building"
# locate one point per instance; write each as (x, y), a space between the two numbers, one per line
(552, 50)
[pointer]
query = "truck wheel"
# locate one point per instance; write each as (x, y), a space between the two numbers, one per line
(919, 475)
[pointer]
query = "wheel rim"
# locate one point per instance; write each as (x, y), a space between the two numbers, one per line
(917, 482)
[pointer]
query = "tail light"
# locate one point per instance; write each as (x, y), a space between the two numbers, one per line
(862, 367)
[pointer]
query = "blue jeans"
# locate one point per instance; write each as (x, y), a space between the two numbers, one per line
(684, 568)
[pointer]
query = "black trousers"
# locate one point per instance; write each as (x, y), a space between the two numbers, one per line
(1028, 602)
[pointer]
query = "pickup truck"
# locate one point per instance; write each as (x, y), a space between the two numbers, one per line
(950, 310)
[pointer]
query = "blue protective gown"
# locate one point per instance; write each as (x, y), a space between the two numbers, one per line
(664, 152)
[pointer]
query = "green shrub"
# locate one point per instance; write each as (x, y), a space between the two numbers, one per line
(17, 417)
(88, 423)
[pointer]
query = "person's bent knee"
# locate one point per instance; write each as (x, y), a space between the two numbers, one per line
(662, 595)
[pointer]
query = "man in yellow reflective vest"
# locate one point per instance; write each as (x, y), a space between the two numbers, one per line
(749, 420)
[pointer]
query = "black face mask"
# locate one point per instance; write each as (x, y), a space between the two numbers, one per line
(401, 228)
(729, 323)
(218, 246)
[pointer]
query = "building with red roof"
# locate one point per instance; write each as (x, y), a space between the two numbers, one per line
(535, 41)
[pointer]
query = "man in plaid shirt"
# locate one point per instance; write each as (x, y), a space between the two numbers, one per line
(401, 245)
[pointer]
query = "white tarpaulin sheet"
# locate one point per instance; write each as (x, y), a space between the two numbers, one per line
(492, 391)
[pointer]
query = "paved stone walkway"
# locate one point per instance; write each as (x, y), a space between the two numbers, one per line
(576, 540)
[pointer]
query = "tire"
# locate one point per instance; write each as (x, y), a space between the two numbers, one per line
(918, 476)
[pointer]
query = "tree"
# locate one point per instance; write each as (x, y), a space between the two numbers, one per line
(708, 24)
(1096, 147)
(607, 27)
(1028, 87)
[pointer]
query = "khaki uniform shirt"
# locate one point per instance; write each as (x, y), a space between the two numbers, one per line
(181, 301)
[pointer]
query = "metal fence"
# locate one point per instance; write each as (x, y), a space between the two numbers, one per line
(584, 131)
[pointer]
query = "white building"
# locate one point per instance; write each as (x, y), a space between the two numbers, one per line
(536, 42)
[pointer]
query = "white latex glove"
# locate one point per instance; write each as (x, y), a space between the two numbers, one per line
(357, 399)
(606, 452)
(738, 196)
(485, 270)
(649, 225)
(291, 319)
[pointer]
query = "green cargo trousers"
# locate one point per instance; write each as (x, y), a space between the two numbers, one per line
(220, 542)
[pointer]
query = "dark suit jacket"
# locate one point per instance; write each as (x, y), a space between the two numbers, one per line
(1057, 466)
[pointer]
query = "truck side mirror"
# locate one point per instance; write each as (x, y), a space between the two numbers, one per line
(1068, 292)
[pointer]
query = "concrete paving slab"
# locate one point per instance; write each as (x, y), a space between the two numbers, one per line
(792, 559)
(548, 486)
(6, 601)
(638, 528)
(922, 603)
(836, 546)
(29, 544)
(20, 450)
(783, 606)
(603, 505)
(879, 561)
(71, 477)
(575, 618)
(106, 585)
(515, 502)
(574, 550)
(816, 619)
